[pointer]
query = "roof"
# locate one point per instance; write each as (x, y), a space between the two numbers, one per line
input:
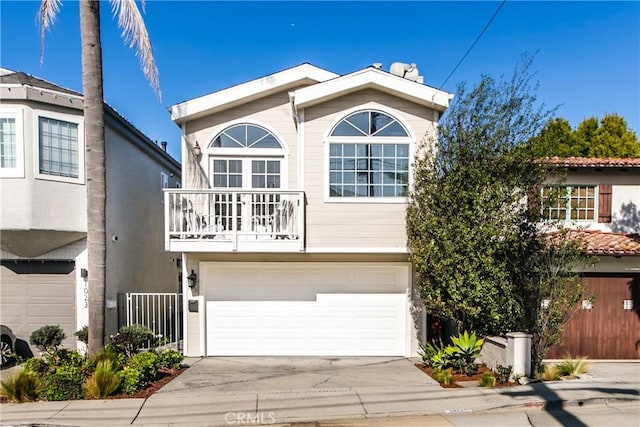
(371, 77)
(322, 85)
(20, 78)
(588, 162)
(254, 89)
(604, 243)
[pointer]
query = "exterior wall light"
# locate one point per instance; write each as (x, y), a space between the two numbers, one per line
(191, 278)
(587, 305)
(197, 151)
(627, 304)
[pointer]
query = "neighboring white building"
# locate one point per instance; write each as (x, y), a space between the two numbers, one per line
(601, 204)
(291, 222)
(43, 222)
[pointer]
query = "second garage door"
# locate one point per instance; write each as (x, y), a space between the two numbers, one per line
(306, 309)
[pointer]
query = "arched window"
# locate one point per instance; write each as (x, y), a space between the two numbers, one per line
(368, 156)
(246, 156)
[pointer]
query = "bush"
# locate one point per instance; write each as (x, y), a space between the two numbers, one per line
(47, 338)
(83, 334)
(21, 387)
(572, 368)
(131, 380)
(103, 382)
(549, 373)
(503, 374)
(464, 351)
(430, 350)
(488, 379)
(145, 363)
(169, 358)
(443, 376)
(65, 357)
(110, 354)
(130, 339)
(64, 383)
(37, 365)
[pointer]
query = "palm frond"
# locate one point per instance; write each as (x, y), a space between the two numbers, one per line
(45, 18)
(135, 33)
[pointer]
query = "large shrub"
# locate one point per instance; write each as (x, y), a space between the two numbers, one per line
(47, 338)
(145, 363)
(63, 383)
(130, 339)
(131, 380)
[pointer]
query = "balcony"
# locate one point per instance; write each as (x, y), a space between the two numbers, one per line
(211, 220)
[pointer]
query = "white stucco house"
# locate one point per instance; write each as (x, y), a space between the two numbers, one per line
(43, 206)
(291, 219)
(601, 204)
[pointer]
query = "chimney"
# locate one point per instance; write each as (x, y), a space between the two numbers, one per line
(164, 145)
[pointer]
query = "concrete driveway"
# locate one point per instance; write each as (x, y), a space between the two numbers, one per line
(251, 374)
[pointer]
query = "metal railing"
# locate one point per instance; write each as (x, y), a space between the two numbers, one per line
(160, 312)
(234, 215)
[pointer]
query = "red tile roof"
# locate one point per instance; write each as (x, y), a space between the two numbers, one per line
(603, 243)
(587, 162)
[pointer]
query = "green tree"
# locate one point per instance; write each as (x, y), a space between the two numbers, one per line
(608, 137)
(480, 257)
(135, 33)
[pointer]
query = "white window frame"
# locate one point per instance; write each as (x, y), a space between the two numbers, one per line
(328, 140)
(247, 154)
(569, 209)
(16, 114)
(78, 120)
(164, 183)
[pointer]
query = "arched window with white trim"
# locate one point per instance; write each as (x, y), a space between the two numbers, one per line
(246, 156)
(368, 156)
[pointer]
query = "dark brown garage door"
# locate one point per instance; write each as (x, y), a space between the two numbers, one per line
(608, 330)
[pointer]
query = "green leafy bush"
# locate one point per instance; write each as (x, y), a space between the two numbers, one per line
(464, 351)
(169, 358)
(130, 339)
(47, 338)
(23, 386)
(65, 357)
(503, 373)
(83, 334)
(145, 363)
(111, 355)
(573, 367)
(443, 376)
(63, 383)
(37, 365)
(131, 380)
(103, 382)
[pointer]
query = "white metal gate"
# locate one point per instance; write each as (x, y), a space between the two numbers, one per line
(160, 312)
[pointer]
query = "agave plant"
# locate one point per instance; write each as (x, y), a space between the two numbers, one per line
(464, 350)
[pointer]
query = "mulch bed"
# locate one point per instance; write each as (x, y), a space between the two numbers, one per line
(461, 377)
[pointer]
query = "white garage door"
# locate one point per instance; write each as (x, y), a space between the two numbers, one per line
(306, 309)
(32, 299)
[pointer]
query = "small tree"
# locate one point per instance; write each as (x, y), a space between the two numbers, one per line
(47, 338)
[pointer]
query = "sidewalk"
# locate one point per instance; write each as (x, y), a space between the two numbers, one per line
(205, 405)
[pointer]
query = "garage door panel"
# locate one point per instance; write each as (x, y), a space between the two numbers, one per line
(305, 312)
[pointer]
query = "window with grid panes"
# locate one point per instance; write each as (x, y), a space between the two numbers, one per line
(368, 156)
(58, 144)
(570, 203)
(7, 142)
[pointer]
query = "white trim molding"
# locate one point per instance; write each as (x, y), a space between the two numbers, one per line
(372, 78)
(249, 91)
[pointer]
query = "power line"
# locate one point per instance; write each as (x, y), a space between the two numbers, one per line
(474, 43)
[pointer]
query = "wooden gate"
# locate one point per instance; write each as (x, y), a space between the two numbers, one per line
(611, 328)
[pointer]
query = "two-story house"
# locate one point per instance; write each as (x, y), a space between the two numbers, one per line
(291, 222)
(43, 209)
(600, 201)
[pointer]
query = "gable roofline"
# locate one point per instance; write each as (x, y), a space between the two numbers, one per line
(251, 90)
(371, 77)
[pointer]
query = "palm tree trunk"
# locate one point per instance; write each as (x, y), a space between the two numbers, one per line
(95, 168)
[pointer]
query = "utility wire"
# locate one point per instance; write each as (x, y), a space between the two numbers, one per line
(474, 43)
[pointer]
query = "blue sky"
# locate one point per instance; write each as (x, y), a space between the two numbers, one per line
(588, 59)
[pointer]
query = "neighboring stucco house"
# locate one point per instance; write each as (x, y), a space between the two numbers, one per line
(291, 222)
(43, 218)
(602, 205)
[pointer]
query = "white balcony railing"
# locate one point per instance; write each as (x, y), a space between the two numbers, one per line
(215, 220)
